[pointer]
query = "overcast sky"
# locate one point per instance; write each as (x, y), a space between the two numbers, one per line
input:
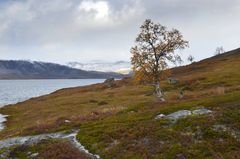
(84, 30)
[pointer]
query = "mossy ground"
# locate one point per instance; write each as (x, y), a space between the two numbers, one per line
(138, 135)
(119, 122)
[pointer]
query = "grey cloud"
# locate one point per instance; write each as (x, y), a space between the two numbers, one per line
(61, 30)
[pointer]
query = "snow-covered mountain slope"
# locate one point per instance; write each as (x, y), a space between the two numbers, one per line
(123, 67)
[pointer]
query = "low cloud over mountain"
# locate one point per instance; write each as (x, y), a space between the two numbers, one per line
(41, 70)
(123, 67)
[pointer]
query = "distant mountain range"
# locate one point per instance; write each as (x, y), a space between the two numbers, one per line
(123, 67)
(20, 69)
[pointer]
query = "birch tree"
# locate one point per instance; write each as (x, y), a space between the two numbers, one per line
(219, 50)
(190, 58)
(154, 49)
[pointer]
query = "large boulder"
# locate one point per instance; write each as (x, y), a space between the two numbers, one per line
(172, 80)
(201, 111)
(179, 114)
(160, 116)
(182, 114)
(109, 82)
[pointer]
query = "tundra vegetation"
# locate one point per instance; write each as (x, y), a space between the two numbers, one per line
(119, 121)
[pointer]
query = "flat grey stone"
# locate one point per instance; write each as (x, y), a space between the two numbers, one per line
(179, 114)
(34, 155)
(201, 111)
(160, 116)
(182, 114)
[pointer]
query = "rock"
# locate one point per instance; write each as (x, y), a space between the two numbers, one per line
(34, 155)
(179, 114)
(111, 145)
(172, 80)
(109, 82)
(160, 116)
(67, 121)
(5, 154)
(201, 111)
(180, 156)
(183, 113)
(223, 128)
(198, 134)
(236, 135)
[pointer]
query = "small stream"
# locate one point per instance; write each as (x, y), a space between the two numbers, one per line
(2, 120)
(14, 91)
(29, 140)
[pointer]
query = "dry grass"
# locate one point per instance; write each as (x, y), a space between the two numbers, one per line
(60, 150)
(95, 102)
(47, 113)
(118, 122)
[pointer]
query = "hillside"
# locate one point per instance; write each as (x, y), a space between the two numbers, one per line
(40, 70)
(119, 122)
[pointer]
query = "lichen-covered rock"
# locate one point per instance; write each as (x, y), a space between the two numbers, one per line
(172, 80)
(201, 111)
(230, 131)
(179, 114)
(198, 133)
(109, 82)
(67, 121)
(182, 113)
(5, 154)
(160, 116)
(34, 155)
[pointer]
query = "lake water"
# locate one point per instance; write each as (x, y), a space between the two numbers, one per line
(13, 91)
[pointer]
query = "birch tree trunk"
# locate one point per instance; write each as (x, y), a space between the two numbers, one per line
(159, 92)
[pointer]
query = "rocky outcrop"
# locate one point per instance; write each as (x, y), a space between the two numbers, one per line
(183, 113)
(179, 114)
(201, 111)
(224, 128)
(172, 80)
(109, 82)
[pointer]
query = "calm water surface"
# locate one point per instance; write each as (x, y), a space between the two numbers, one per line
(13, 91)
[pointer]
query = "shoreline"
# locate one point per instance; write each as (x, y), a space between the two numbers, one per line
(22, 79)
(3, 117)
(53, 88)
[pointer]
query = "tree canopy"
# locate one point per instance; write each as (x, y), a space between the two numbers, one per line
(154, 48)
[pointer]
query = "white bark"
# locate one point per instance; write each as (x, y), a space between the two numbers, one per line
(159, 92)
(181, 94)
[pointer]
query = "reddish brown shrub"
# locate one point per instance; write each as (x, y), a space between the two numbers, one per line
(61, 150)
